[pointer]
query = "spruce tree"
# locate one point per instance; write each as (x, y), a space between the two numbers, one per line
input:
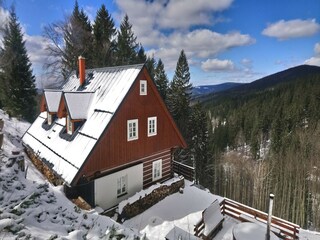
(126, 46)
(142, 58)
(150, 65)
(161, 80)
(78, 41)
(180, 95)
(199, 143)
(103, 31)
(17, 81)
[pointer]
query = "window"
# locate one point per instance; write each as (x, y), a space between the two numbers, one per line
(49, 118)
(157, 170)
(152, 126)
(132, 129)
(69, 125)
(143, 87)
(122, 185)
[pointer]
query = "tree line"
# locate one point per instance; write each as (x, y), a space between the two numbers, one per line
(267, 142)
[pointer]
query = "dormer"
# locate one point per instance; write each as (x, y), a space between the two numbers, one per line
(50, 104)
(76, 106)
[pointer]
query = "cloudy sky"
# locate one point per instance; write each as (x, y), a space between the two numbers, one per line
(225, 40)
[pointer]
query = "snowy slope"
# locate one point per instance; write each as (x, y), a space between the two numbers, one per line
(31, 208)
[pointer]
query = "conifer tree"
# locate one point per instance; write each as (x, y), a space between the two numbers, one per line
(150, 65)
(126, 46)
(199, 143)
(78, 41)
(142, 58)
(103, 31)
(161, 80)
(180, 95)
(17, 81)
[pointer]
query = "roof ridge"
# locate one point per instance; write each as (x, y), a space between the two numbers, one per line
(115, 67)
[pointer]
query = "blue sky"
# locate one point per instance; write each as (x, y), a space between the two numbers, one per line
(225, 40)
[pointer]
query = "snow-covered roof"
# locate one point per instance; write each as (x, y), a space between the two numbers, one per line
(52, 99)
(101, 95)
(79, 104)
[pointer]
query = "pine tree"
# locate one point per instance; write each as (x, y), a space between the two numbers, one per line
(199, 143)
(161, 80)
(180, 95)
(78, 41)
(103, 31)
(17, 81)
(150, 65)
(142, 58)
(126, 45)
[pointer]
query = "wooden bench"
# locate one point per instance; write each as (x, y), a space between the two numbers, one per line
(246, 218)
(211, 222)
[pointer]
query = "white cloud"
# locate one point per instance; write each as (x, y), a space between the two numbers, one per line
(283, 30)
(315, 60)
(317, 48)
(246, 62)
(165, 27)
(36, 47)
(217, 65)
(4, 18)
(165, 14)
(201, 44)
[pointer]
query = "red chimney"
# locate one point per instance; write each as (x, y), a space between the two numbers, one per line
(82, 70)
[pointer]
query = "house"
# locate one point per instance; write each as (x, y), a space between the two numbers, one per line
(105, 134)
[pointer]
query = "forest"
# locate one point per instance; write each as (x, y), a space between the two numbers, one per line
(266, 140)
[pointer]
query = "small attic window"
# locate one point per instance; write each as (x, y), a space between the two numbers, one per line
(69, 125)
(143, 87)
(48, 122)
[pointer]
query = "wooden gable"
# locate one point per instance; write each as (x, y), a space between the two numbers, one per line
(43, 104)
(113, 150)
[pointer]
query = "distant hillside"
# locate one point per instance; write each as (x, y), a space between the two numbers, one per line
(288, 75)
(265, 134)
(206, 89)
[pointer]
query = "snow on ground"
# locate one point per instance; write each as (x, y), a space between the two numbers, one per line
(184, 211)
(180, 209)
(31, 208)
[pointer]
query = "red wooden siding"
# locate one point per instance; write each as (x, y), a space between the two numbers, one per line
(43, 104)
(113, 149)
(62, 110)
(165, 156)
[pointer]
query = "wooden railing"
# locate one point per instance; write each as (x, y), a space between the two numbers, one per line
(243, 213)
(184, 170)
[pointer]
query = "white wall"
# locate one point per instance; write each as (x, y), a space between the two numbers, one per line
(106, 187)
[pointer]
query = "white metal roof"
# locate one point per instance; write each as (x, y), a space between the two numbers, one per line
(52, 99)
(101, 96)
(79, 104)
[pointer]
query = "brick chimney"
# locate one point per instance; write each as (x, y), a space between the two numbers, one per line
(82, 70)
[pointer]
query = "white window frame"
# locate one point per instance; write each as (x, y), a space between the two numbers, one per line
(143, 87)
(49, 118)
(122, 185)
(152, 126)
(157, 170)
(69, 125)
(131, 126)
